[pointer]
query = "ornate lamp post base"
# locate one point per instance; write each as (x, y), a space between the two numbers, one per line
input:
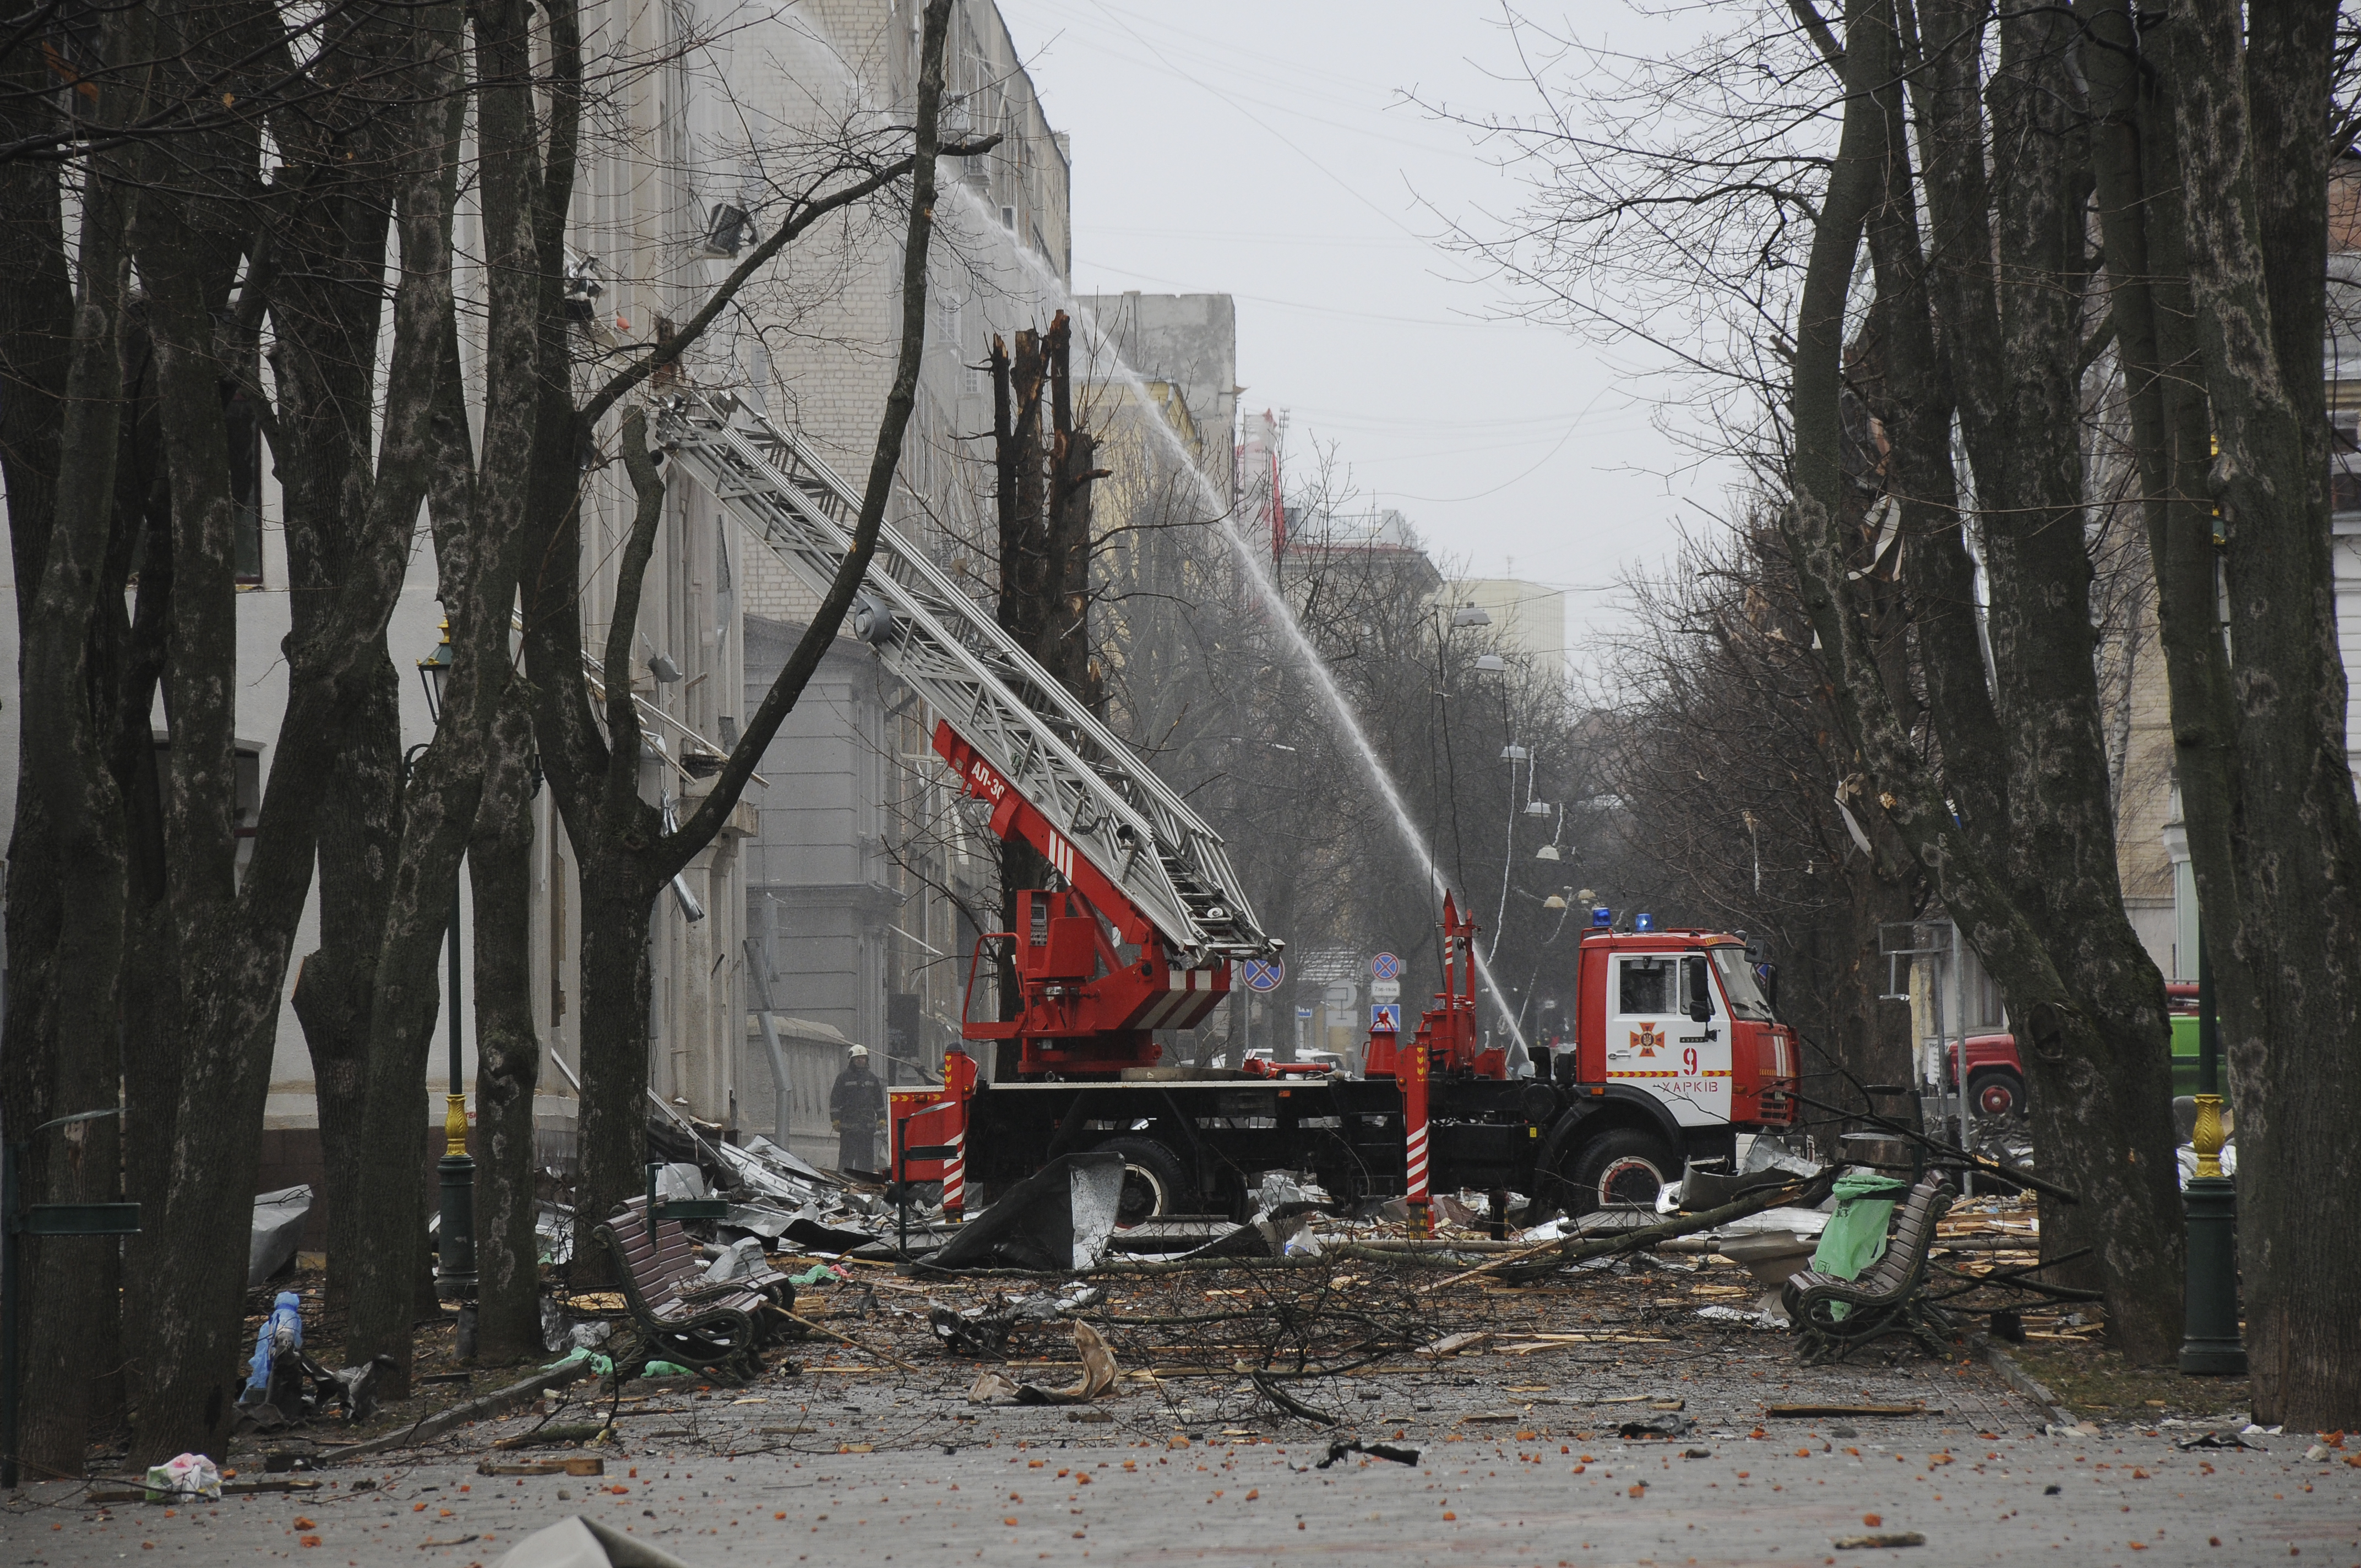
(454, 1270)
(2211, 1346)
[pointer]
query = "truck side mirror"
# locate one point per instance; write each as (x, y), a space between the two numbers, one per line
(1700, 989)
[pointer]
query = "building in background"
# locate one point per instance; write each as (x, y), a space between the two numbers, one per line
(1184, 349)
(1528, 619)
(862, 879)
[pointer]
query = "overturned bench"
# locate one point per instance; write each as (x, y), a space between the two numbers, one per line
(717, 1328)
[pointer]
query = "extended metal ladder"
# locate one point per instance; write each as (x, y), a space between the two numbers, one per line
(1132, 826)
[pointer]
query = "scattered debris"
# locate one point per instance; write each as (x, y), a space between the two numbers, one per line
(1270, 1390)
(1760, 1318)
(1880, 1538)
(1452, 1344)
(185, 1475)
(551, 1435)
(995, 1387)
(578, 1543)
(1661, 1427)
(1399, 1453)
(1058, 1218)
(573, 1465)
(278, 1229)
(972, 1332)
(2213, 1439)
(741, 1259)
(275, 1375)
(1792, 1411)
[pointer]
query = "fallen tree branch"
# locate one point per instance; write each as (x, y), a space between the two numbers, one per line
(1577, 1250)
(1976, 1162)
(1288, 1402)
(841, 1339)
(497, 1403)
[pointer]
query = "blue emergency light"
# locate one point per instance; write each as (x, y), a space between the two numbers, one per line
(1602, 917)
(1643, 922)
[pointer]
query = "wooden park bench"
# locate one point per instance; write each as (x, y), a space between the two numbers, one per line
(1889, 1298)
(715, 1328)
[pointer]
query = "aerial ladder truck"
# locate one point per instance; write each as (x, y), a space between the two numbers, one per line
(1674, 1050)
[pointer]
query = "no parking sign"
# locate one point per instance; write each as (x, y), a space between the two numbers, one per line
(1263, 974)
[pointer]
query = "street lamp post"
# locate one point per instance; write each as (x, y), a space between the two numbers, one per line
(454, 1267)
(2209, 1344)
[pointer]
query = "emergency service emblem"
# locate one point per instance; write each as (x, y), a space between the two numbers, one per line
(1645, 1039)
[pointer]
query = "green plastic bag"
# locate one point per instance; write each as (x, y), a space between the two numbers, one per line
(666, 1369)
(604, 1367)
(1855, 1238)
(818, 1274)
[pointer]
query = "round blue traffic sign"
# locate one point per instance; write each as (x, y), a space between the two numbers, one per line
(1264, 975)
(1385, 966)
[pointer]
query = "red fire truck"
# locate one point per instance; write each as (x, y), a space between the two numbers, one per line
(1675, 1050)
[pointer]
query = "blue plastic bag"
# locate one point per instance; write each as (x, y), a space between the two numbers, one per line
(281, 1333)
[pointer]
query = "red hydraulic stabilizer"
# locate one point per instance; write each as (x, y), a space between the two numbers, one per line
(1447, 1033)
(934, 1119)
(1445, 1042)
(1084, 1008)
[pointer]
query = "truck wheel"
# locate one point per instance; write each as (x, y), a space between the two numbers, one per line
(1153, 1180)
(1619, 1169)
(1996, 1093)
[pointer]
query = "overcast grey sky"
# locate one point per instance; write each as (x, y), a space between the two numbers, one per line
(1263, 148)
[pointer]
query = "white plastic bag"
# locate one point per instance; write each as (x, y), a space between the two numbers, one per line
(188, 1475)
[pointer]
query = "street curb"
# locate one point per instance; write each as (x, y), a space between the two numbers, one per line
(2020, 1379)
(499, 1402)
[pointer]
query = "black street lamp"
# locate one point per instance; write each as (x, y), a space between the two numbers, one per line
(455, 1267)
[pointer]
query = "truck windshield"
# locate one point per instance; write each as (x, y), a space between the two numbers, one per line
(1738, 980)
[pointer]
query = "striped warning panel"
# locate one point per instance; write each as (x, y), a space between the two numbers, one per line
(1189, 995)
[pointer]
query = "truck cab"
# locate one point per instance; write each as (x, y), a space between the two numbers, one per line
(1675, 1051)
(1677, 1015)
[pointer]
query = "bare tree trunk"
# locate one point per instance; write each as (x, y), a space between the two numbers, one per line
(626, 857)
(2069, 1054)
(2275, 834)
(508, 1047)
(64, 761)
(360, 836)
(328, 314)
(235, 933)
(1044, 477)
(1026, 590)
(477, 545)
(617, 908)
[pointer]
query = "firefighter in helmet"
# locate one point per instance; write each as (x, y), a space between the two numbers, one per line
(856, 1108)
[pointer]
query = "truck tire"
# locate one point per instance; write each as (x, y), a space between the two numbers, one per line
(1997, 1094)
(1622, 1167)
(1154, 1182)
